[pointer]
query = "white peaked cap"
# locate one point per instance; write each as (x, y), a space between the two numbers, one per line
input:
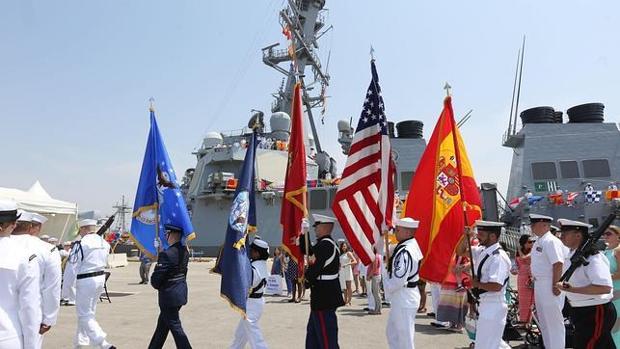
(570, 223)
(407, 223)
(44, 236)
(53, 240)
(87, 222)
(540, 218)
(24, 216)
(319, 218)
(260, 243)
(489, 224)
(37, 218)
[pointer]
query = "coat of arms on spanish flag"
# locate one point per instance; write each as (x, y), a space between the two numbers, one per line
(443, 196)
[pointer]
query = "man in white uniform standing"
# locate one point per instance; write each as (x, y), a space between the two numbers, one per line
(48, 260)
(548, 255)
(86, 264)
(400, 283)
(492, 267)
(20, 300)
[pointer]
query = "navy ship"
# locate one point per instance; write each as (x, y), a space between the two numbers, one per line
(209, 187)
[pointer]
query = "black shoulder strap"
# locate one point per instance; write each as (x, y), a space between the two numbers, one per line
(32, 257)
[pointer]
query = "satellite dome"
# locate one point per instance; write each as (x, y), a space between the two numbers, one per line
(212, 140)
(280, 124)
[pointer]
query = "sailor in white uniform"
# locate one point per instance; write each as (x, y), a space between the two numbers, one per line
(48, 260)
(248, 330)
(548, 255)
(400, 282)
(86, 264)
(20, 300)
(492, 267)
(589, 291)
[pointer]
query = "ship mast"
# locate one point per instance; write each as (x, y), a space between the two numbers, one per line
(302, 21)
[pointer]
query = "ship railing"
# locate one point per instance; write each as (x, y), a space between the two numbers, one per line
(510, 237)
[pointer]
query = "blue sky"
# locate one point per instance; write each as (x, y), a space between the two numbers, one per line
(76, 76)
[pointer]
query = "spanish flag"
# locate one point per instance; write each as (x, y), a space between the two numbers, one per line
(294, 207)
(443, 196)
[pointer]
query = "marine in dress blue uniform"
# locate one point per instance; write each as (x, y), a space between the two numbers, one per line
(169, 278)
(322, 279)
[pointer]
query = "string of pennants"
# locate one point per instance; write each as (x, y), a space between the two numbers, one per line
(559, 197)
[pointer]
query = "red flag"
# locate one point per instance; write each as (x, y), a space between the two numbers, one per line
(443, 196)
(294, 207)
(364, 202)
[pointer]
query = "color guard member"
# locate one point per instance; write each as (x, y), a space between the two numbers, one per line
(589, 292)
(248, 330)
(400, 282)
(322, 279)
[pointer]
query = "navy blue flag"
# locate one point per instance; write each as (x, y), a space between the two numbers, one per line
(158, 198)
(233, 263)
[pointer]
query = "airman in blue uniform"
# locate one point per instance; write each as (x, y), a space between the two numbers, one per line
(169, 278)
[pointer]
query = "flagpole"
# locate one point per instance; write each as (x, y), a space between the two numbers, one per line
(152, 110)
(457, 155)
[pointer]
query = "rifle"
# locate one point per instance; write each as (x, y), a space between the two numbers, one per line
(106, 225)
(590, 247)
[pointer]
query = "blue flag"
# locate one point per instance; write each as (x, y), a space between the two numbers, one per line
(233, 262)
(158, 199)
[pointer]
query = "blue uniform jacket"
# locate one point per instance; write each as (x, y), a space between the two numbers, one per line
(170, 274)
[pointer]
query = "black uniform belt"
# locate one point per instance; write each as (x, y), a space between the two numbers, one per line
(177, 278)
(412, 284)
(90, 275)
(256, 295)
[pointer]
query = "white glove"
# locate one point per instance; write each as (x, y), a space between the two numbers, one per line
(156, 244)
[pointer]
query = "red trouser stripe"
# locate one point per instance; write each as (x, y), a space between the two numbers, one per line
(598, 326)
(323, 329)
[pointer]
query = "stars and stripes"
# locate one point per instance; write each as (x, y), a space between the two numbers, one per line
(364, 203)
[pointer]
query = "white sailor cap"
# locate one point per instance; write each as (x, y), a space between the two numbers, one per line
(52, 240)
(38, 218)
(535, 218)
(260, 244)
(8, 211)
(407, 223)
(567, 224)
(87, 222)
(489, 225)
(24, 216)
(44, 237)
(322, 219)
(66, 243)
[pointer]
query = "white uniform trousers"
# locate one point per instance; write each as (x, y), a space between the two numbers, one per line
(248, 330)
(435, 294)
(369, 296)
(89, 332)
(490, 325)
(11, 343)
(400, 329)
(549, 314)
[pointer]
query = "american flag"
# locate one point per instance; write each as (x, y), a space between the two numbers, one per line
(364, 203)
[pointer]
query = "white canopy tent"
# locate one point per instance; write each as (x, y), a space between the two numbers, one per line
(62, 215)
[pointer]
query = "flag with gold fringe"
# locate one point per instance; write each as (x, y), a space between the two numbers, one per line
(233, 263)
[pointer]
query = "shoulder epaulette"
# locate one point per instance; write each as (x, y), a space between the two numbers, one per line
(32, 257)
